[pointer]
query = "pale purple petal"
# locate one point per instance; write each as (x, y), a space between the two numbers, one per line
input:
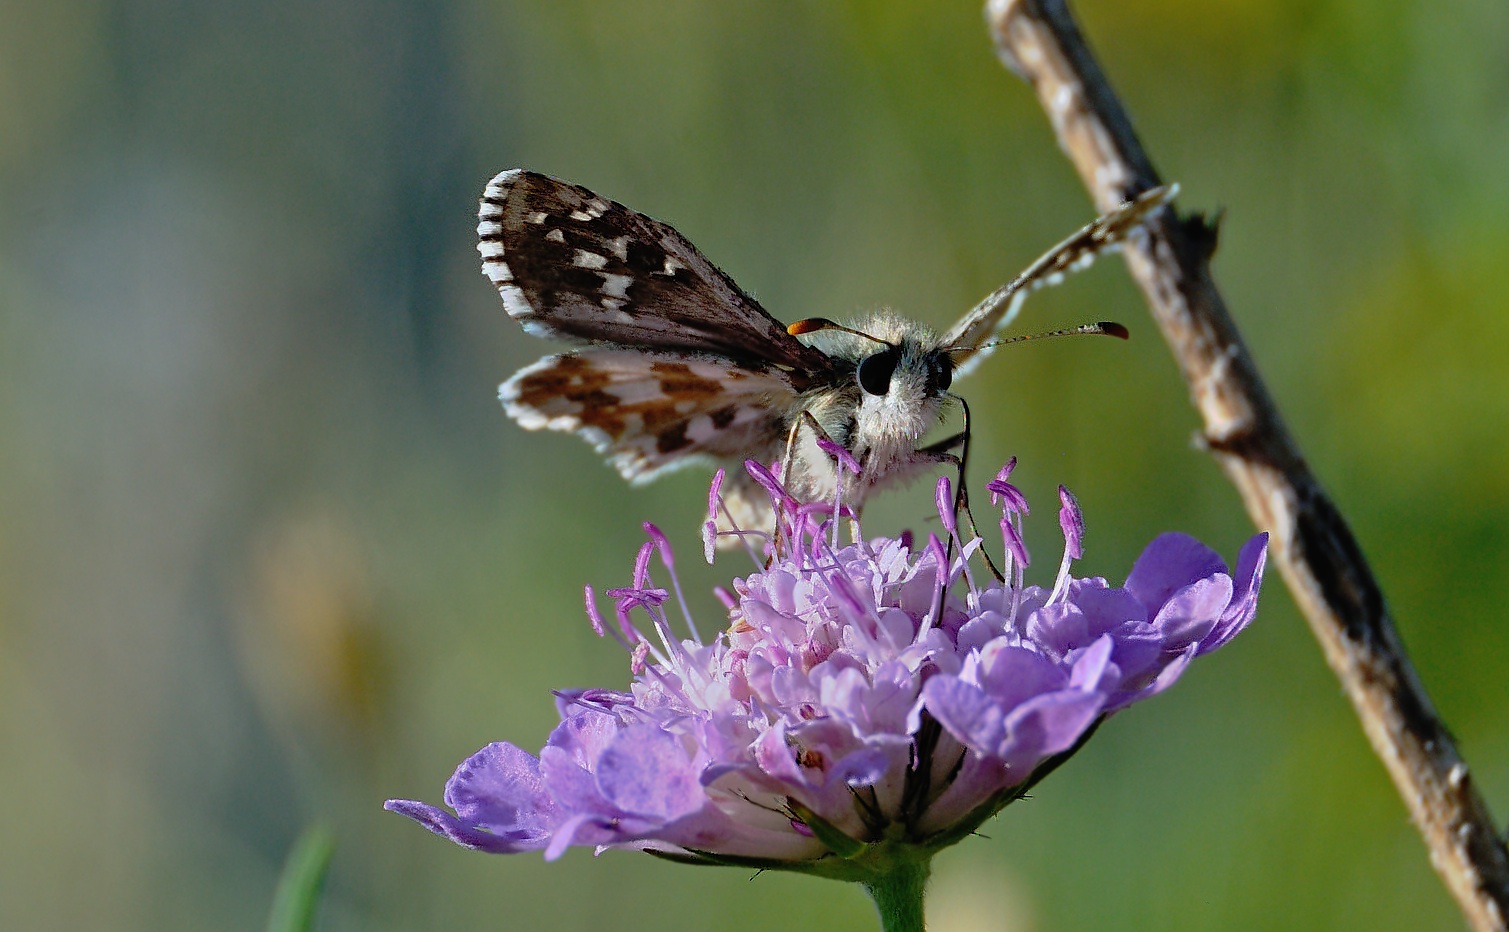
(1012, 675)
(445, 825)
(1248, 578)
(646, 772)
(1191, 612)
(500, 799)
(1169, 563)
(1047, 725)
(499, 786)
(967, 711)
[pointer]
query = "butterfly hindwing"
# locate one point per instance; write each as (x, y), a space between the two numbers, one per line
(653, 411)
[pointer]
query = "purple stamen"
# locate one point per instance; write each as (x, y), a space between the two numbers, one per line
(840, 453)
(767, 480)
(943, 500)
(709, 540)
(1072, 521)
(592, 613)
(1011, 539)
(1005, 494)
(667, 559)
(714, 495)
(642, 564)
(941, 573)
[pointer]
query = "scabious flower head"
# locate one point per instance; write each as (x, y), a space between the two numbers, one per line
(863, 704)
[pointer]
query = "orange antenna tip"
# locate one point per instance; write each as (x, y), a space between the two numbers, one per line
(810, 325)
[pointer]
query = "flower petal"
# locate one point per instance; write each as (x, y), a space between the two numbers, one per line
(966, 711)
(1171, 562)
(1191, 612)
(1248, 580)
(445, 825)
(647, 772)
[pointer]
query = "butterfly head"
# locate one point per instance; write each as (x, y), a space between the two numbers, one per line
(901, 371)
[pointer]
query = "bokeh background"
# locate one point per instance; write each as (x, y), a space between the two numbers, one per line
(271, 553)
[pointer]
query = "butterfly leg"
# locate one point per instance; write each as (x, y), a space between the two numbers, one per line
(939, 452)
(789, 464)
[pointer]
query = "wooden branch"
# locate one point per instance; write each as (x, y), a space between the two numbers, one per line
(1311, 544)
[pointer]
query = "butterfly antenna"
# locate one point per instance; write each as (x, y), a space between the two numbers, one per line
(1102, 328)
(814, 324)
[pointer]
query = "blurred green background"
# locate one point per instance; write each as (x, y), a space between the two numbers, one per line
(270, 552)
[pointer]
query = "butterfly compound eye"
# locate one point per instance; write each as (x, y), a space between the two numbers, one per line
(875, 372)
(941, 368)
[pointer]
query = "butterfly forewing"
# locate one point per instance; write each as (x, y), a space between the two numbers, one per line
(573, 265)
(1102, 235)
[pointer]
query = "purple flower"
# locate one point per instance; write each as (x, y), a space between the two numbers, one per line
(865, 703)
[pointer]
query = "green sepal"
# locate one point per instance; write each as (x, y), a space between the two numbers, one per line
(826, 832)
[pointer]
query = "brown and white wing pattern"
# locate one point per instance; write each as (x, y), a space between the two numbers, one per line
(1102, 235)
(573, 265)
(650, 412)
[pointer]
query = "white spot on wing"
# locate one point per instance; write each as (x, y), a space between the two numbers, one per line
(588, 260)
(617, 286)
(556, 236)
(599, 438)
(501, 184)
(700, 429)
(497, 270)
(528, 418)
(514, 302)
(637, 392)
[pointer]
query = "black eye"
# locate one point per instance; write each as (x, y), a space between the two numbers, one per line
(943, 372)
(875, 372)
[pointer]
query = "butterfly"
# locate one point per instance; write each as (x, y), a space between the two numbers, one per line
(680, 365)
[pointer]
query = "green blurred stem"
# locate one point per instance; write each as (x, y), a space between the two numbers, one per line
(298, 894)
(898, 896)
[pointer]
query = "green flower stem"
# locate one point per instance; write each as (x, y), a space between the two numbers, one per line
(297, 898)
(898, 896)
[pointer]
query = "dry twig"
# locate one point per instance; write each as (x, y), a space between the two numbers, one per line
(1312, 545)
